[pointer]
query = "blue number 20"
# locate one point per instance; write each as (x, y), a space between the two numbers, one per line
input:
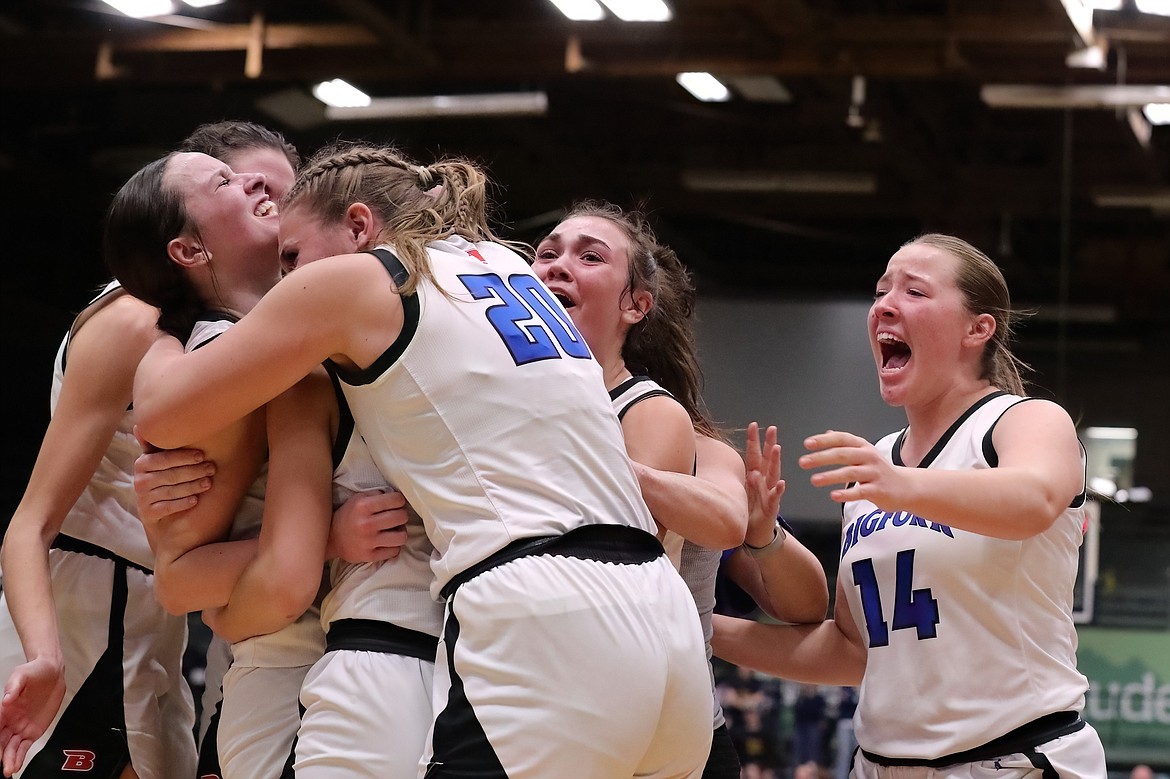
(527, 318)
(912, 608)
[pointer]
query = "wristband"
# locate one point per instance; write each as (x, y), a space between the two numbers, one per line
(779, 536)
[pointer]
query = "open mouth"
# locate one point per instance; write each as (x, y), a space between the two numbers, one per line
(564, 300)
(266, 208)
(895, 353)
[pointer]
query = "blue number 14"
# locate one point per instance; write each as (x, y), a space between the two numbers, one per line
(912, 608)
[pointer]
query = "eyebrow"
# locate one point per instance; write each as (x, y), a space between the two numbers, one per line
(885, 277)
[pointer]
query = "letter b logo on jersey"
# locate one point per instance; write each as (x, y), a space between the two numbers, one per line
(78, 760)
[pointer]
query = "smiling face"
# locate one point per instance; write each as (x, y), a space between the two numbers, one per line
(920, 329)
(232, 218)
(278, 171)
(585, 263)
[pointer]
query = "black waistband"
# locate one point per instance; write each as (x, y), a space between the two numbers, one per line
(603, 543)
(70, 544)
(372, 635)
(1032, 734)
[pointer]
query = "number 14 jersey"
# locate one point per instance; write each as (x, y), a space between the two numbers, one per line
(969, 636)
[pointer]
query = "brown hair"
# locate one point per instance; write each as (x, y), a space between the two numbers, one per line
(662, 344)
(145, 215)
(986, 292)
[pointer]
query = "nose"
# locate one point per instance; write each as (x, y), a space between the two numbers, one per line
(883, 307)
(254, 182)
(555, 267)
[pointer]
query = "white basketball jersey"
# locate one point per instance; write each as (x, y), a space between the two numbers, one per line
(624, 397)
(106, 513)
(302, 642)
(395, 591)
(969, 636)
(246, 523)
(489, 412)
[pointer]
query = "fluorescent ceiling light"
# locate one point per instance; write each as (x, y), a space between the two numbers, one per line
(640, 10)
(580, 10)
(202, 3)
(340, 94)
(429, 106)
(140, 9)
(1092, 96)
(806, 182)
(1157, 113)
(1154, 198)
(1104, 5)
(1080, 14)
(704, 86)
(1112, 433)
(1094, 56)
(761, 89)
(1159, 7)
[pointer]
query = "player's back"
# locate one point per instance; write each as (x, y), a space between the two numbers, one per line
(489, 412)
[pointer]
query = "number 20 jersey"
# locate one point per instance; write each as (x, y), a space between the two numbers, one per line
(489, 413)
(969, 636)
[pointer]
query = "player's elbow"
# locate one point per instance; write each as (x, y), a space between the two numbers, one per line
(169, 596)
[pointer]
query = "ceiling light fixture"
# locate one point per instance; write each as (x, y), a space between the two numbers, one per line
(1157, 199)
(203, 3)
(1112, 433)
(1157, 113)
(1080, 14)
(1087, 96)
(704, 86)
(761, 89)
(1157, 7)
(640, 10)
(340, 94)
(141, 9)
(437, 106)
(580, 10)
(1104, 5)
(803, 182)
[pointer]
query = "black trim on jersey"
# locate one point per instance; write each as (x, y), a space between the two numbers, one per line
(373, 635)
(989, 452)
(459, 746)
(76, 545)
(411, 311)
(345, 423)
(1023, 740)
(620, 544)
(992, 457)
(104, 297)
(940, 444)
(617, 391)
(90, 735)
(209, 767)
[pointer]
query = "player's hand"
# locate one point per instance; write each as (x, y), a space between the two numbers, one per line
(866, 474)
(169, 481)
(369, 527)
(764, 486)
(30, 701)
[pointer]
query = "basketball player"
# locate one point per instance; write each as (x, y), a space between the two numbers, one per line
(545, 552)
(959, 552)
(633, 302)
(102, 689)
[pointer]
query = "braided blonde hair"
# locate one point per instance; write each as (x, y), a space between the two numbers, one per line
(417, 204)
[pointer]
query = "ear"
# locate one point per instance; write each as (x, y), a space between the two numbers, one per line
(981, 330)
(186, 252)
(360, 225)
(638, 307)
